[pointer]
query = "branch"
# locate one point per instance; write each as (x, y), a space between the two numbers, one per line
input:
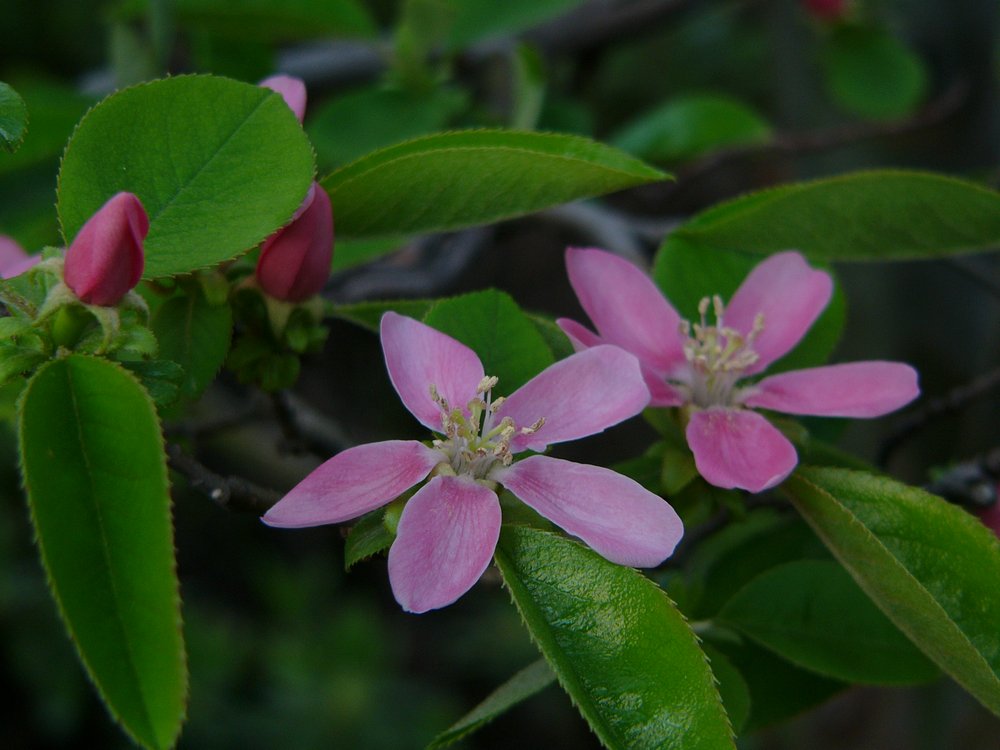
(230, 493)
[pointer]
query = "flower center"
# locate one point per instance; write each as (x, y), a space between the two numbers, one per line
(718, 356)
(473, 443)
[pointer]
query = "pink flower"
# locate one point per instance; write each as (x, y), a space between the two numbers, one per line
(292, 89)
(449, 528)
(105, 259)
(698, 367)
(991, 517)
(13, 260)
(294, 262)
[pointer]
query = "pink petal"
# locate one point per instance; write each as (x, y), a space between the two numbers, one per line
(738, 448)
(292, 89)
(616, 516)
(855, 389)
(789, 294)
(354, 482)
(578, 396)
(626, 307)
(13, 260)
(991, 517)
(445, 540)
(662, 393)
(417, 356)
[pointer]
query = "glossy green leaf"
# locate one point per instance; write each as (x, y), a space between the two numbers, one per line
(813, 614)
(195, 334)
(683, 271)
(883, 215)
(464, 178)
(480, 19)
(690, 126)
(96, 477)
(218, 165)
(368, 314)
(617, 645)
(493, 326)
(13, 118)
(929, 565)
(367, 537)
(871, 73)
(532, 679)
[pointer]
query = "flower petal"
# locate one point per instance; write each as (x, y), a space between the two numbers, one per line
(854, 389)
(991, 517)
(619, 518)
(418, 356)
(578, 396)
(13, 260)
(789, 294)
(626, 307)
(292, 90)
(446, 537)
(354, 482)
(579, 335)
(738, 448)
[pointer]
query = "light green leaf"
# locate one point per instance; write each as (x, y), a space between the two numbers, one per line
(690, 126)
(13, 118)
(930, 567)
(812, 613)
(492, 325)
(617, 645)
(96, 477)
(464, 178)
(369, 314)
(218, 166)
(880, 215)
(367, 537)
(532, 679)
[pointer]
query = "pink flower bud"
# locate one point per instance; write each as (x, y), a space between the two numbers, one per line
(295, 261)
(826, 10)
(991, 516)
(13, 260)
(105, 259)
(292, 89)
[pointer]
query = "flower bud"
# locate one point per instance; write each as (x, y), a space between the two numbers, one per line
(295, 261)
(826, 10)
(105, 259)
(292, 89)
(13, 260)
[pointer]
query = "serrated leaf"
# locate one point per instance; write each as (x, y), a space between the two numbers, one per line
(367, 537)
(464, 178)
(492, 325)
(732, 687)
(369, 314)
(532, 679)
(218, 166)
(195, 334)
(811, 613)
(617, 645)
(13, 118)
(96, 477)
(930, 567)
(878, 215)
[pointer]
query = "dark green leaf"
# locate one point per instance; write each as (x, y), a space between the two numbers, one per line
(465, 178)
(195, 334)
(493, 326)
(13, 118)
(350, 253)
(884, 215)
(479, 19)
(929, 565)
(526, 683)
(218, 165)
(367, 537)
(732, 687)
(557, 341)
(617, 645)
(93, 466)
(54, 111)
(368, 314)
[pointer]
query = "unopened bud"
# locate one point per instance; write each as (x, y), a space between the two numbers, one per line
(105, 259)
(13, 260)
(292, 89)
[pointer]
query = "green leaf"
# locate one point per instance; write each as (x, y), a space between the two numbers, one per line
(218, 165)
(350, 253)
(195, 334)
(531, 680)
(689, 126)
(879, 215)
(812, 613)
(367, 537)
(55, 110)
(871, 73)
(463, 178)
(480, 19)
(494, 327)
(929, 565)
(93, 466)
(732, 687)
(617, 645)
(13, 118)
(369, 314)
(683, 271)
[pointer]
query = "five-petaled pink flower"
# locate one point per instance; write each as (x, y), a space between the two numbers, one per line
(699, 367)
(449, 528)
(13, 260)
(105, 259)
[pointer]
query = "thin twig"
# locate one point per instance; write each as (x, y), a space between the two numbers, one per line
(229, 492)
